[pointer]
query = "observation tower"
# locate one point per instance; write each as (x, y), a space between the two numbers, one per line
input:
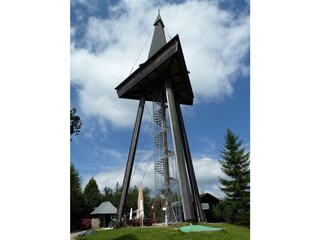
(164, 80)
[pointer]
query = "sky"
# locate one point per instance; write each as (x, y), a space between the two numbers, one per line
(109, 39)
(35, 105)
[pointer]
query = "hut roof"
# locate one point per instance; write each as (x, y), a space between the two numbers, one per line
(105, 208)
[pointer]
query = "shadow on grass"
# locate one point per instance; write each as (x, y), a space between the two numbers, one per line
(126, 237)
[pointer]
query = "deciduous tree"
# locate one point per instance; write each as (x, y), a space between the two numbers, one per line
(75, 122)
(108, 194)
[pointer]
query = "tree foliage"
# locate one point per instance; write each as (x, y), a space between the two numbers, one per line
(76, 198)
(117, 195)
(235, 163)
(222, 212)
(107, 194)
(114, 195)
(84, 202)
(132, 199)
(75, 122)
(147, 201)
(92, 196)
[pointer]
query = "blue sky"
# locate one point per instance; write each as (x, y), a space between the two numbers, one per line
(106, 40)
(284, 116)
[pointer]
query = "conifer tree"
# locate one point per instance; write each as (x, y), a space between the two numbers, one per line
(92, 196)
(235, 163)
(76, 197)
(117, 195)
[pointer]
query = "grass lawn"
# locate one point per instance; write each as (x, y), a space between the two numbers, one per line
(230, 232)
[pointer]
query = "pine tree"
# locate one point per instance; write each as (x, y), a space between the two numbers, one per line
(92, 196)
(235, 163)
(117, 195)
(76, 197)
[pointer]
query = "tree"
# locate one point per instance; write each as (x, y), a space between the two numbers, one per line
(132, 199)
(235, 163)
(92, 196)
(76, 197)
(117, 195)
(222, 212)
(75, 122)
(108, 194)
(147, 202)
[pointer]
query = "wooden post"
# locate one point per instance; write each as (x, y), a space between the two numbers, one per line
(132, 152)
(190, 169)
(166, 161)
(186, 198)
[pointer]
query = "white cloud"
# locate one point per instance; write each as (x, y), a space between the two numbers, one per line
(91, 5)
(97, 79)
(207, 171)
(110, 177)
(214, 45)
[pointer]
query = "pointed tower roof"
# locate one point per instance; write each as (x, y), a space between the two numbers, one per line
(165, 61)
(158, 39)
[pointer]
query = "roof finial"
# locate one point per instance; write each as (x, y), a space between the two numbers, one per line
(158, 10)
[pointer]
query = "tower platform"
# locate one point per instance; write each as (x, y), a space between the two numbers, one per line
(167, 63)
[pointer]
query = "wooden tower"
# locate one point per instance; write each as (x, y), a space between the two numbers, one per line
(164, 72)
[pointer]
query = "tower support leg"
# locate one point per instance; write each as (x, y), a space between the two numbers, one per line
(166, 162)
(132, 152)
(190, 169)
(186, 197)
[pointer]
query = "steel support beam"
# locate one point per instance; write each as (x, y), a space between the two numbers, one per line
(190, 169)
(132, 152)
(186, 198)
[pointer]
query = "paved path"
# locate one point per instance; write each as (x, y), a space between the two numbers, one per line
(74, 234)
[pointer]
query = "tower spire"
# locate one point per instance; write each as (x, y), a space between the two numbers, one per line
(158, 39)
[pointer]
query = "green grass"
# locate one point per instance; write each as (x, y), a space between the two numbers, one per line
(230, 232)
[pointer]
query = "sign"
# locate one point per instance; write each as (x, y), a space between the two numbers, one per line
(205, 206)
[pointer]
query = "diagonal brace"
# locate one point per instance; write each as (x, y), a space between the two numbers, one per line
(132, 152)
